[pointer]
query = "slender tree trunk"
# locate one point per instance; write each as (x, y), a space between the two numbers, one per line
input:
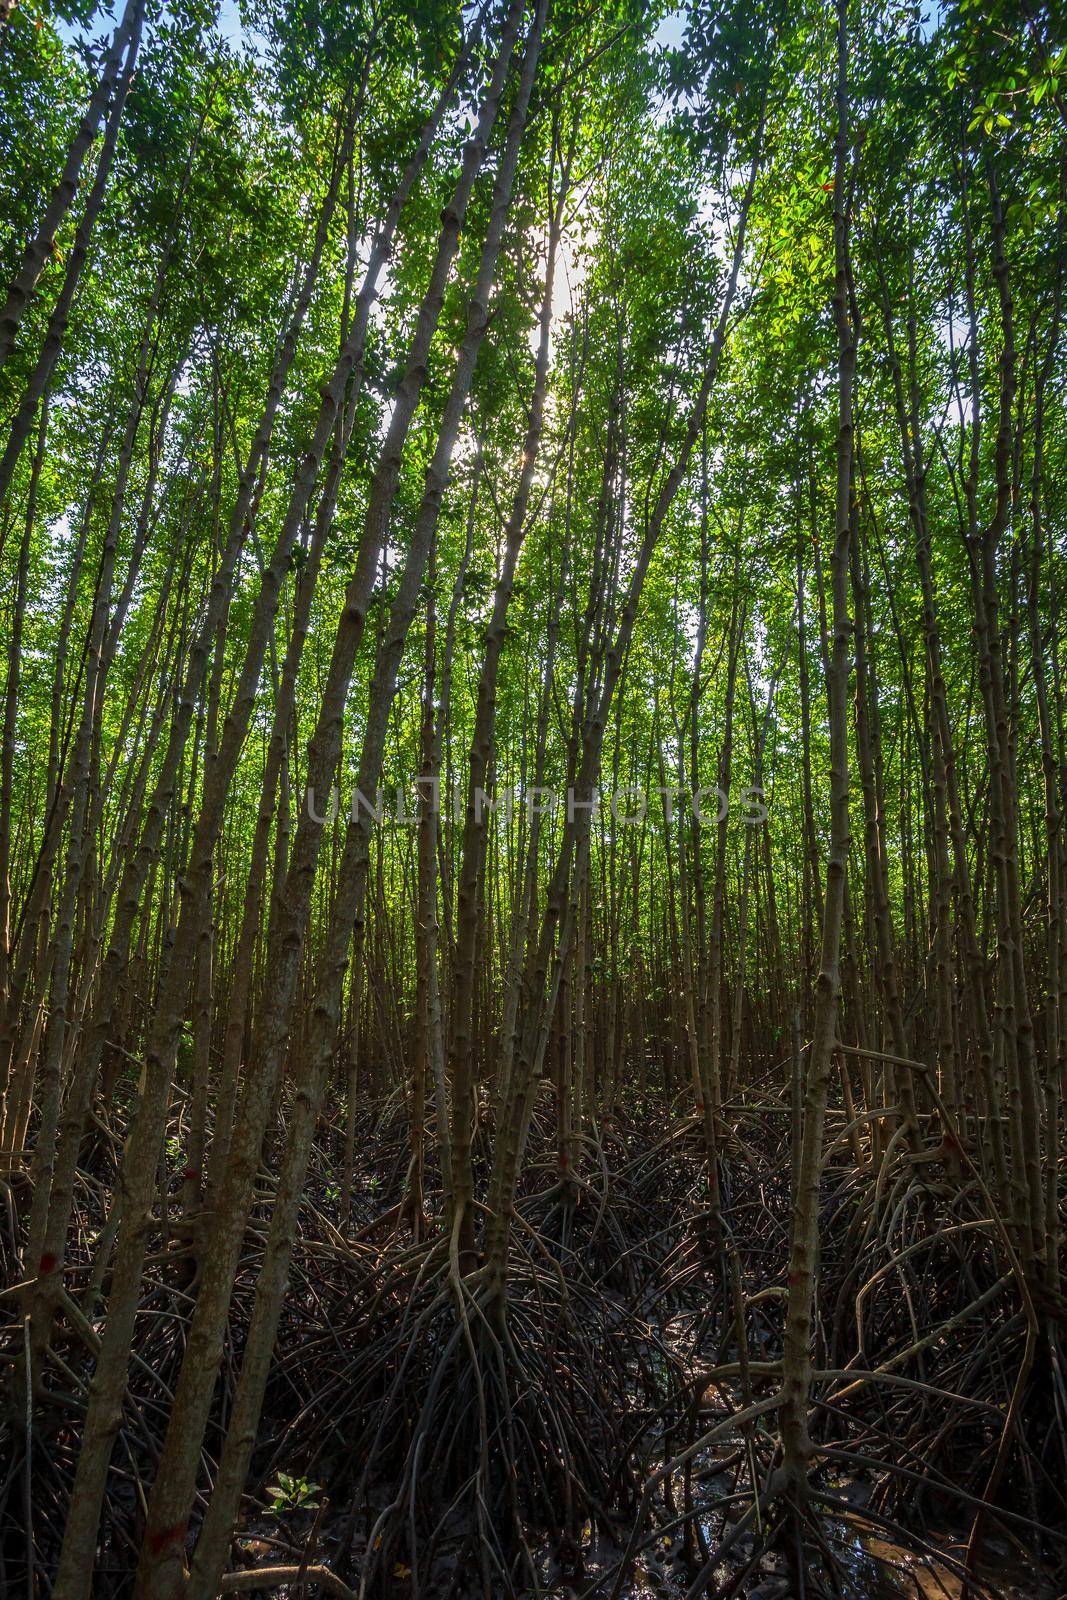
(803, 1259)
(38, 249)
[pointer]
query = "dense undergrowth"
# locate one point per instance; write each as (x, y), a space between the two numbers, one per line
(585, 1445)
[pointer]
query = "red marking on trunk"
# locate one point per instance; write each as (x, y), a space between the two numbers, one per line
(47, 1264)
(158, 1542)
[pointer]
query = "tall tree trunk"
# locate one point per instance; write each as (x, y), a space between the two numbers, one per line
(803, 1257)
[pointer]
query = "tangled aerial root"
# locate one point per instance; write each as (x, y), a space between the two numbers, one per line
(491, 1410)
(614, 1397)
(821, 1541)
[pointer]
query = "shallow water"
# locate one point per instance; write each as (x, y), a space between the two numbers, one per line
(871, 1567)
